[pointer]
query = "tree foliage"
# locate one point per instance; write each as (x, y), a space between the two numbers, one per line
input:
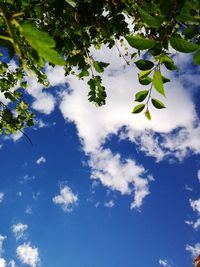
(62, 32)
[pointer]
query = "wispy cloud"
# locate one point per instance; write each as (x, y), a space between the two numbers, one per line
(198, 175)
(19, 230)
(41, 160)
(194, 250)
(2, 194)
(28, 255)
(67, 199)
(165, 263)
(109, 204)
(2, 239)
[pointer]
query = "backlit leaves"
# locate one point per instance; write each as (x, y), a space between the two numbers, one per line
(182, 45)
(42, 43)
(158, 82)
(140, 43)
(139, 108)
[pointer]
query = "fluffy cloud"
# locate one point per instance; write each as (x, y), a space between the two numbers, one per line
(67, 199)
(123, 176)
(41, 160)
(44, 101)
(194, 250)
(2, 262)
(28, 255)
(1, 196)
(2, 238)
(19, 230)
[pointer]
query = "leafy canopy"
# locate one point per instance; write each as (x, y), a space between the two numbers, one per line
(61, 32)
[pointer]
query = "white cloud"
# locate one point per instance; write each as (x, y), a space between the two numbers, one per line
(109, 204)
(41, 160)
(27, 178)
(164, 263)
(29, 210)
(195, 204)
(67, 199)
(2, 194)
(124, 176)
(194, 250)
(198, 175)
(28, 255)
(44, 101)
(2, 262)
(2, 238)
(19, 230)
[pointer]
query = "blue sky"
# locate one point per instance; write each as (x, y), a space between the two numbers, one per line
(102, 187)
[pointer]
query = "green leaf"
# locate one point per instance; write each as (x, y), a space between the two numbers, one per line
(153, 22)
(71, 3)
(182, 45)
(99, 66)
(148, 115)
(157, 103)
(170, 65)
(140, 96)
(144, 74)
(145, 81)
(42, 43)
(144, 64)
(196, 58)
(139, 42)
(158, 82)
(138, 108)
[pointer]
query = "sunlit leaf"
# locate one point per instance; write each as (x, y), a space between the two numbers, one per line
(158, 82)
(139, 42)
(138, 108)
(182, 45)
(153, 22)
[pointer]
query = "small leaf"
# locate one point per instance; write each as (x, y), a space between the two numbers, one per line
(145, 81)
(140, 96)
(153, 22)
(144, 64)
(157, 103)
(196, 58)
(138, 108)
(139, 42)
(148, 115)
(99, 66)
(170, 65)
(144, 73)
(158, 83)
(182, 45)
